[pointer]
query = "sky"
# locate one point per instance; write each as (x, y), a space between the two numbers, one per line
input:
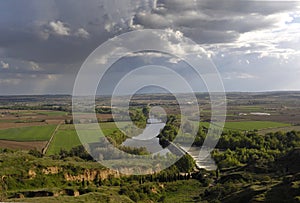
(255, 45)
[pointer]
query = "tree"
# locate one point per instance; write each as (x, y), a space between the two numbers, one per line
(36, 153)
(185, 164)
(146, 111)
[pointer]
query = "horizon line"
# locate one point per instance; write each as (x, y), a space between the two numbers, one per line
(147, 93)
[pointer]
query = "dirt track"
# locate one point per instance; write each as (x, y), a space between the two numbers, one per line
(52, 136)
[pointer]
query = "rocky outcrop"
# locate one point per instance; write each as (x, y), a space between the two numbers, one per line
(91, 175)
(31, 174)
(76, 193)
(137, 170)
(69, 192)
(52, 170)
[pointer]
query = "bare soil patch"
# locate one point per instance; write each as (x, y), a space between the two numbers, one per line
(4, 126)
(54, 122)
(22, 145)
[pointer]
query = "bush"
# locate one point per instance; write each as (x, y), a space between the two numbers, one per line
(36, 153)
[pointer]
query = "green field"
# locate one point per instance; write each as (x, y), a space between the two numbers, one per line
(22, 113)
(8, 121)
(28, 134)
(63, 139)
(250, 108)
(52, 113)
(67, 138)
(250, 125)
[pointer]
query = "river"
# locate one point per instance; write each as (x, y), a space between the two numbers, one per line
(203, 160)
(149, 140)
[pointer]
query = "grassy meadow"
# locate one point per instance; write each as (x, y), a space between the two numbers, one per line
(28, 134)
(66, 137)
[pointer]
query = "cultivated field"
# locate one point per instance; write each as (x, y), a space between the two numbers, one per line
(66, 138)
(28, 129)
(29, 119)
(250, 125)
(39, 145)
(28, 134)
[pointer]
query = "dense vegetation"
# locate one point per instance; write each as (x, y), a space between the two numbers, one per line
(237, 148)
(245, 148)
(35, 176)
(251, 168)
(170, 131)
(139, 116)
(254, 167)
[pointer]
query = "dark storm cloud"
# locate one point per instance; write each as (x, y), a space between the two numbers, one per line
(212, 21)
(44, 39)
(26, 33)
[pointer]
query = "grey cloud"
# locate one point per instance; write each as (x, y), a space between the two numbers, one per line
(85, 24)
(207, 17)
(233, 7)
(31, 32)
(176, 5)
(64, 33)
